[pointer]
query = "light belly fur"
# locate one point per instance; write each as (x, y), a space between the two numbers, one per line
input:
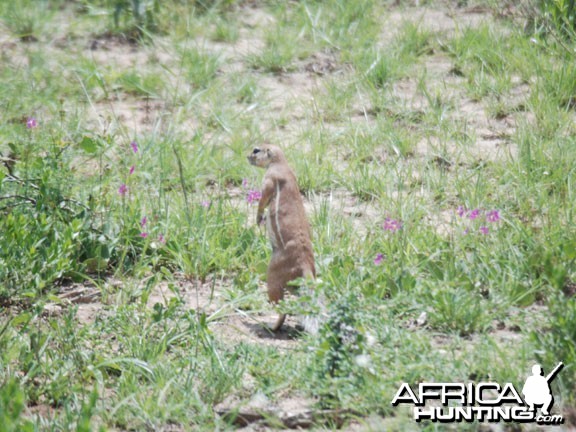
(273, 223)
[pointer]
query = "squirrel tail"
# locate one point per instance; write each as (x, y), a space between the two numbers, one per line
(311, 324)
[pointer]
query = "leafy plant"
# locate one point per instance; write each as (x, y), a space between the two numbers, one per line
(142, 13)
(560, 14)
(341, 343)
(199, 67)
(453, 309)
(12, 403)
(277, 56)
(25, 19)
(555, 343)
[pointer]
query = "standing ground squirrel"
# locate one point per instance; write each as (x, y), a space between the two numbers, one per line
(286, 224)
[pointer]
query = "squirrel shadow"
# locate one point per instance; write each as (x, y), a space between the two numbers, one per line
(287, 332)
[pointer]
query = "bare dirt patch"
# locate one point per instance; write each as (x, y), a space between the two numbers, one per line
(136, 115)
(258, 413)
(438, 20)
(288, 92)
(84, 296)
(228, 321)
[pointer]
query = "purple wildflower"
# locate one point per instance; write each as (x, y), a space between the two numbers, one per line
(474, 214)
(134, 146)
(132, 168)
(245, 183)
(392, 225)
(31, 123)
(143, 234)
(493, 216)
(378, 260)
(143, 221)
(123, 189)
(484, 229)
(205, 204)
(161, 239)
(461, 210)
(253, 196)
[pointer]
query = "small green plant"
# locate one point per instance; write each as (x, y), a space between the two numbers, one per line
(341, 360)
(558, 16)
(334, 102)
(225, 30)
(44, 227)
(455, 309)
(555, 343)
(25, 19)
(277, 56)
(141, 12)
(198, 67)
(246, 89)
(379, 68)
(559, 84)
(341, 340)
(413, 41)
(12, 403)
(149, 85)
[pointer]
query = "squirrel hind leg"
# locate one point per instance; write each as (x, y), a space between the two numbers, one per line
(279, 323)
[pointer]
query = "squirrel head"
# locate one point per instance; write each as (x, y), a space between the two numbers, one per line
(266, 155)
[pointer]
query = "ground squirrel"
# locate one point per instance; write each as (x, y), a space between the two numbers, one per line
(286, 225)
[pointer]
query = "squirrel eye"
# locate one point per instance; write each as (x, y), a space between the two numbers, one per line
(256, 151)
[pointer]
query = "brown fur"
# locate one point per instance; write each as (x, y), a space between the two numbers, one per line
(286, 224)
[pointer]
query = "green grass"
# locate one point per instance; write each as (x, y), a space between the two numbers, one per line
(405, 145)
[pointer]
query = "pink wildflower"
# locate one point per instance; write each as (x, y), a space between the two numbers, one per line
(484, 230)
(143, 221)
(123, 189)
(144, 234)
(493, 216)
(474, 214)
(378, 260)
(134, 146)
(205, 204)
(392, 225)
(253, 196)
(132, 168)
(161, 239)
(31, 123)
